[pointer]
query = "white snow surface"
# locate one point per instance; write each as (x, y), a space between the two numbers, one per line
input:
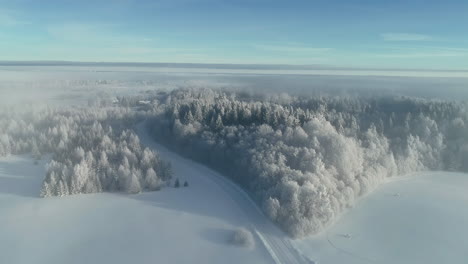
(414, 219)
(185, 225)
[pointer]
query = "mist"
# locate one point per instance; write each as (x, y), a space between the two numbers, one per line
(74, 83)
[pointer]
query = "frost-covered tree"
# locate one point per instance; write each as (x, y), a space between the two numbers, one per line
(307, 159)
(153, 182)
(303, 159)
(92, 149)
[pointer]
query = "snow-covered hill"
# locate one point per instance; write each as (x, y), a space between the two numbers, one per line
(185, 225)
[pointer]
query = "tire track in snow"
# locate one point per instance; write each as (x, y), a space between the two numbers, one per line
(349, 253)
(273, 239)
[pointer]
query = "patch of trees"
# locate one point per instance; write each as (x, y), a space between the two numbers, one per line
(307, 159)
(93, 149)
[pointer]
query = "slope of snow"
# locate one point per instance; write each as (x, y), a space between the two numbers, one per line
(414, 219)
(275, 241)
(185, 225)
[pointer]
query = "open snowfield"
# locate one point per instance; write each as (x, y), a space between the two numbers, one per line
(415, 219)
(186, 225)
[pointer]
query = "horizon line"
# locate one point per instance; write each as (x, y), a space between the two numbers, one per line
(211, 65)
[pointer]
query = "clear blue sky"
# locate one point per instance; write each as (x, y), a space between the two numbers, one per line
(374, 33)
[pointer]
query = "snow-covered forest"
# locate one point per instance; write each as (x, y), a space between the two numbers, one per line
(92, 149)
(305, 160)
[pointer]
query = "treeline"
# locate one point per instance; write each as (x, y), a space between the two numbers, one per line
(92, 149)
(306, 159)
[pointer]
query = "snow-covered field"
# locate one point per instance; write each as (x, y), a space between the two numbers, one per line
(185, 225)
(415, 219)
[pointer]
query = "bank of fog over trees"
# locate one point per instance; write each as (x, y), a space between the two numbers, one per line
(92, 149)
(307, 159)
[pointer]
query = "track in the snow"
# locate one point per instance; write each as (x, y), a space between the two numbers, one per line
(274, 240)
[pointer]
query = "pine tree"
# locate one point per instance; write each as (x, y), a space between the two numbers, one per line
(188, 118)
(177, 183)
(218, 123)
(133, 185)
(152, 180)
(185, 184)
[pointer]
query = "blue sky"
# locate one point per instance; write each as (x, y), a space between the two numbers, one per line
(382, 34)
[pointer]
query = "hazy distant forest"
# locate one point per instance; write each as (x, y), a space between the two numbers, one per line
(303, 159)
(92, 149)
